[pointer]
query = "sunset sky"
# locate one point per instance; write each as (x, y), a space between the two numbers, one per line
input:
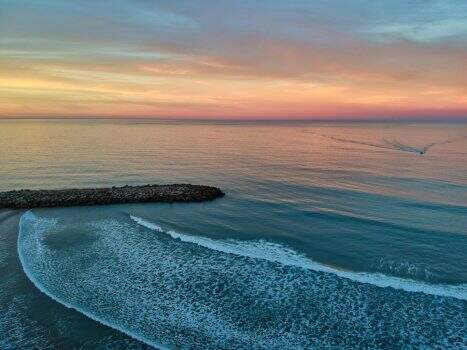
(256, 59)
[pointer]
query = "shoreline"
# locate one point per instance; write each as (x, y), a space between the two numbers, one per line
(43, 325)
(27, 199)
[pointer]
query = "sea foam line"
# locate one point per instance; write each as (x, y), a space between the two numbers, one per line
(280, 254)
(30, 216)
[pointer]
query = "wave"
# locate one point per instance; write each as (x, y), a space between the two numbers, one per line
(278, 253)
(24, 222)
(184, 291)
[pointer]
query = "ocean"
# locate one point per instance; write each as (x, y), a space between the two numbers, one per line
(331, 235)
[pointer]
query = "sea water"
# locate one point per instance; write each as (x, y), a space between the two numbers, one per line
(331, 235)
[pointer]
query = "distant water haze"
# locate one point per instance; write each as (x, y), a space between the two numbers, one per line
(340, 234)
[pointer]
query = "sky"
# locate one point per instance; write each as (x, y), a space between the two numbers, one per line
(245, 59)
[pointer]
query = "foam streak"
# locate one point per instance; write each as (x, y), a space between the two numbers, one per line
(278, 253)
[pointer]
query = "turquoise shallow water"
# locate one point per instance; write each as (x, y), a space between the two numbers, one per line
(330, 235)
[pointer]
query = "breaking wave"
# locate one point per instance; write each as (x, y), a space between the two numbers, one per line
(174, 290)
(278, 253)
(26, 219)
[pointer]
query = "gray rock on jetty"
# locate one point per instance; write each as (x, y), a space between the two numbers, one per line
(25, 199)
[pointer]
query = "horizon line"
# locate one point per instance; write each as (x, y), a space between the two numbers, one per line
(244, 119)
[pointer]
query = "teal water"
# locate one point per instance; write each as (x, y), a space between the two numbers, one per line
(331, 235)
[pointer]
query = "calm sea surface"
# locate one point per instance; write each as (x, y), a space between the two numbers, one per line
(331, 235)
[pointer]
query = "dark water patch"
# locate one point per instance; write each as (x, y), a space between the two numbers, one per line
(437, 207)
(69, 238)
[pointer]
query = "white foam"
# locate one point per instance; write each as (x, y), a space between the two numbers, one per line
(175, 291)
(280, 254)
(25, 220)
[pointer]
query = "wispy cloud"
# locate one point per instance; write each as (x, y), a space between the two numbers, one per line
(233, 58)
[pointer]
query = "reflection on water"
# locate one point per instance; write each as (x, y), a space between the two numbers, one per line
(89, 152)
(321, 192)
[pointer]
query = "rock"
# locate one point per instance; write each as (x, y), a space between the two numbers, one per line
(23, 199)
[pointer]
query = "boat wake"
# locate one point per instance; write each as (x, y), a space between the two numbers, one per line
(421, 150)
(392, 144)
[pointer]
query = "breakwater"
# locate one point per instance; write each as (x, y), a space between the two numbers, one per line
(25, 199)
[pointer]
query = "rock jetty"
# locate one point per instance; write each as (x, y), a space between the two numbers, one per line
(25, 199)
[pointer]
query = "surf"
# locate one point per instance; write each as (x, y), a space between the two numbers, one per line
(24, 223)
(174, 290)
(278, 253)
